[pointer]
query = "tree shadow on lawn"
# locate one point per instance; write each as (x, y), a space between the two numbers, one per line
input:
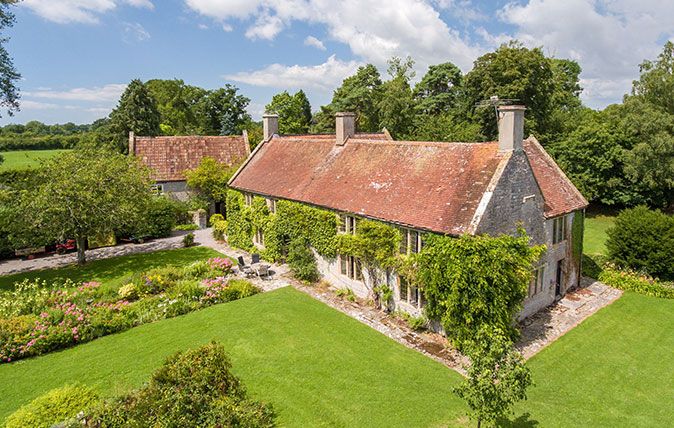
(522, 421)
(106, 270)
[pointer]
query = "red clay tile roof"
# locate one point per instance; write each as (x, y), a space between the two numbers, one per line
(434, 186)
(559, 194)
(169, 157)
(425, 185)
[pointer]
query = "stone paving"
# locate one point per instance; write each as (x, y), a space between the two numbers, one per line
(546, 326)
(538, 331)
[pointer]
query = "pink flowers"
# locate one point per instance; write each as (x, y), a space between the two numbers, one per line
(91, 285)
(220, 263)
(214, 287)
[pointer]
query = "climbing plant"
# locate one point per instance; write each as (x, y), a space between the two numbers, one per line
(376, 245)
(475, 281)
(291, 220)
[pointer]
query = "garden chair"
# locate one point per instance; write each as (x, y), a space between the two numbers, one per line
(262, 270)
(243, 269)
(256, 259)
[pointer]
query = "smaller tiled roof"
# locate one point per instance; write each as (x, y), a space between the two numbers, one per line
(559, 194)
(169, 157)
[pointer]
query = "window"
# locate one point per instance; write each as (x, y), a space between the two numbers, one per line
(258, 237)
(536, 285)
(351, 267)
(558, 229)
(411, 241)
(347, 224)
(410, 294)
(249, 199)
(271, 204)
(157, 189)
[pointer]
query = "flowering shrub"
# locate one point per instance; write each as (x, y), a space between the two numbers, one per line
(221, 264)
(630, 280)
(37, 317)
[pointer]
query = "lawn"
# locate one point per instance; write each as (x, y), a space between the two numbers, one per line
(24, 159)
(317, 366)
(613, 370)
(113, 270)
(594, 239)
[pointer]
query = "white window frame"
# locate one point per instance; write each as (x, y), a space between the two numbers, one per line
(249, 199)
(157, 189)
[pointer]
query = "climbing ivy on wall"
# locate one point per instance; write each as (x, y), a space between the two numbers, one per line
(291, 220)
(475, 281)
(577, 229)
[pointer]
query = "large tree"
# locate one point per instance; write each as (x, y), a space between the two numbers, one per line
(396, 105)
(85, 193)
(176, 102)
(294, 112)
(222, 111)
(9, 92)
(359, 94)
(136, 111)
(512, 72)
(656, 82)
(439, 89)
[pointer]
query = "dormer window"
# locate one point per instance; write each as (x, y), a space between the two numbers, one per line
(347, 224)
(411, 241)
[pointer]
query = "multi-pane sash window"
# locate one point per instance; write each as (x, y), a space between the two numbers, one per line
(258, 237)
(410, 294)
(249, 199)
(271, 204)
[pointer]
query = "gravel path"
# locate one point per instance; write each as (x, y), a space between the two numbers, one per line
(538, 331)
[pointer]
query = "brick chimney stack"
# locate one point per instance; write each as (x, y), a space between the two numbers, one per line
(510, 128)
(345, 126)
(269, 125)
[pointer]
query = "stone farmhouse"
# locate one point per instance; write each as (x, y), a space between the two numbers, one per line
(426, 187)
(168, 157)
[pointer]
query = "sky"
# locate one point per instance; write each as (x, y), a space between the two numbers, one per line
(76, 56)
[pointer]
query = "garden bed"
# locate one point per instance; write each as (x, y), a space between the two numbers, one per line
(39, 316)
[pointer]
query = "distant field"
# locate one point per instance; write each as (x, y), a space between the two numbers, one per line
(24, 159)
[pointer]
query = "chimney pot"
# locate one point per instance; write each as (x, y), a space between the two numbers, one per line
(132, 143)
(510, 127)
(269, 125)
(345, 127)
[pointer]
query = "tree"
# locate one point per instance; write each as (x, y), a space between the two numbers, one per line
(210, 178)
(643, 240)
(176, 102)
(294, 112)
(438, 90)
(136, 111)
(222, 112)
(513, 72)
(359, 94)
(475, 281)
(497, 377)
(656, 82)
(9, 92)
(396, 105)
(84, 193)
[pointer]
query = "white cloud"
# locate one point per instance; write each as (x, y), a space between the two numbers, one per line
(323, 77)
(36, 105)
(313, 41)
(609, 38)
(110, 92)
(133, 31)
(401, 27)
(84, 11)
